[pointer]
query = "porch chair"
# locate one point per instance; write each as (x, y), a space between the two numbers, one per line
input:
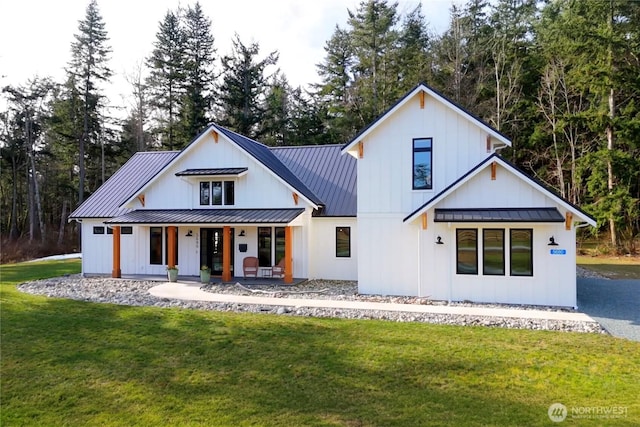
(278, 269)
(250, 266)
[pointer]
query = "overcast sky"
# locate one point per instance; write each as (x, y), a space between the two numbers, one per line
(36, 35)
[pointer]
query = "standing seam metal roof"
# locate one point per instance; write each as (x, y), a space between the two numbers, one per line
(326, 172)
(134, 174)
(208, 216)
(263, 154)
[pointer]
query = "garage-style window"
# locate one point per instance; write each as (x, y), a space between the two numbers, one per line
(467, 251)
(343, 242)
(521, 254)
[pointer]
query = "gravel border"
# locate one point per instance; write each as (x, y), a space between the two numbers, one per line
(136, 293)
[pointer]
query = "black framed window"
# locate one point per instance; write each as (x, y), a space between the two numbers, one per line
(229, 195)
(343, 242)
(422, 173)
(264, 246)
(109, 230)
(126, 230)
(493, 252)
(155, 245)
(279, 244)
(216, 193)
(467, 251)
(98, 230)
(521, 251)
(205, 193)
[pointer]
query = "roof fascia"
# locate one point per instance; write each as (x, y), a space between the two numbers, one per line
(433, 93)
(519, 173)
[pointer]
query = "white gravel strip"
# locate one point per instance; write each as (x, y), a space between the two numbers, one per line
(136, 293)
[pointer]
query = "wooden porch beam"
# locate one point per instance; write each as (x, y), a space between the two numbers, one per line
(171, 246)
(288, 256)
(226, 254)
(116, 272)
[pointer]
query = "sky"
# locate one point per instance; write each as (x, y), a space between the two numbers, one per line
(36, 35)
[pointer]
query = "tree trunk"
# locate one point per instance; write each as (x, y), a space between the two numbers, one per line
(13, 228)
(63, 222)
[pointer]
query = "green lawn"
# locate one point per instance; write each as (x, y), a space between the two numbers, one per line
(74, 363)
(612, 267)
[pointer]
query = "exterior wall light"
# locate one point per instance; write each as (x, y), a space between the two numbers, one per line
(439, 241)
(189, 234)
(552, 241)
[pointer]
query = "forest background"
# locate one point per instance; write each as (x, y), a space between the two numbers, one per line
(561, 78)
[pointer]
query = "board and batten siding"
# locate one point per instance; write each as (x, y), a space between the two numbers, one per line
(257, 189)
(389, 259)
(323, 262)
(553, 281)
(385, 172)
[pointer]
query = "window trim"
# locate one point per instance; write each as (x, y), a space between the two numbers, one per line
(227, 192)
(413, 163)
(511, 273)
(98, 229)
(475, 273)
(339, 229)
(484, 248)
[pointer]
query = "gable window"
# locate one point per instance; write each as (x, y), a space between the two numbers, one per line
(343, 242)
(217, 193)
(493, 252)
(422, 157)
(467, 251)
(521, 241)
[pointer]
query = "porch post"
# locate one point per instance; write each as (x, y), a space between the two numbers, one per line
(288, 256)
(116, 272)
(171, 243)
(226, 254)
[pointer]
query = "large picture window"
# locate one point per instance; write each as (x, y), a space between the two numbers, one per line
(493, 252)
(466, 251)
(422, 158)
(521, 241)
(343, 242)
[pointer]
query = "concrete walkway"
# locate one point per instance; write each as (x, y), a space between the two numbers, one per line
(192, 292)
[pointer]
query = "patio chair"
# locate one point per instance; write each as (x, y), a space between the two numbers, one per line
(250, 266)
(278, 269)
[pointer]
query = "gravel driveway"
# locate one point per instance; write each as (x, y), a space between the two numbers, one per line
(615, 304)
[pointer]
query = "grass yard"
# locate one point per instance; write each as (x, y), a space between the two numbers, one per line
(74, 363)
(623, 267)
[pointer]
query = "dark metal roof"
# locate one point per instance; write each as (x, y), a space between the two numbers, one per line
(211, 172)
(499, 215)
(263, 154)
(207, 216)
(327, 173)
(133, 175)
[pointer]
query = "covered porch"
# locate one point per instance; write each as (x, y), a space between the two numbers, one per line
(219, 239)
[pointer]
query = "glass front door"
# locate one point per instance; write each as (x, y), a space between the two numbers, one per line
(211, 244)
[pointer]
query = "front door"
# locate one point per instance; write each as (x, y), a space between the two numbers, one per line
(211, 244)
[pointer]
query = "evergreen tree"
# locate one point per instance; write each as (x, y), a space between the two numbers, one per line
(414, 50)
(87, 69)
(199, 57)
(167, 78)
(275, 127)
(374, 37)
(242, 91)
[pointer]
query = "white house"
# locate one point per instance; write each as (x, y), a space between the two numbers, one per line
(434, 211)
